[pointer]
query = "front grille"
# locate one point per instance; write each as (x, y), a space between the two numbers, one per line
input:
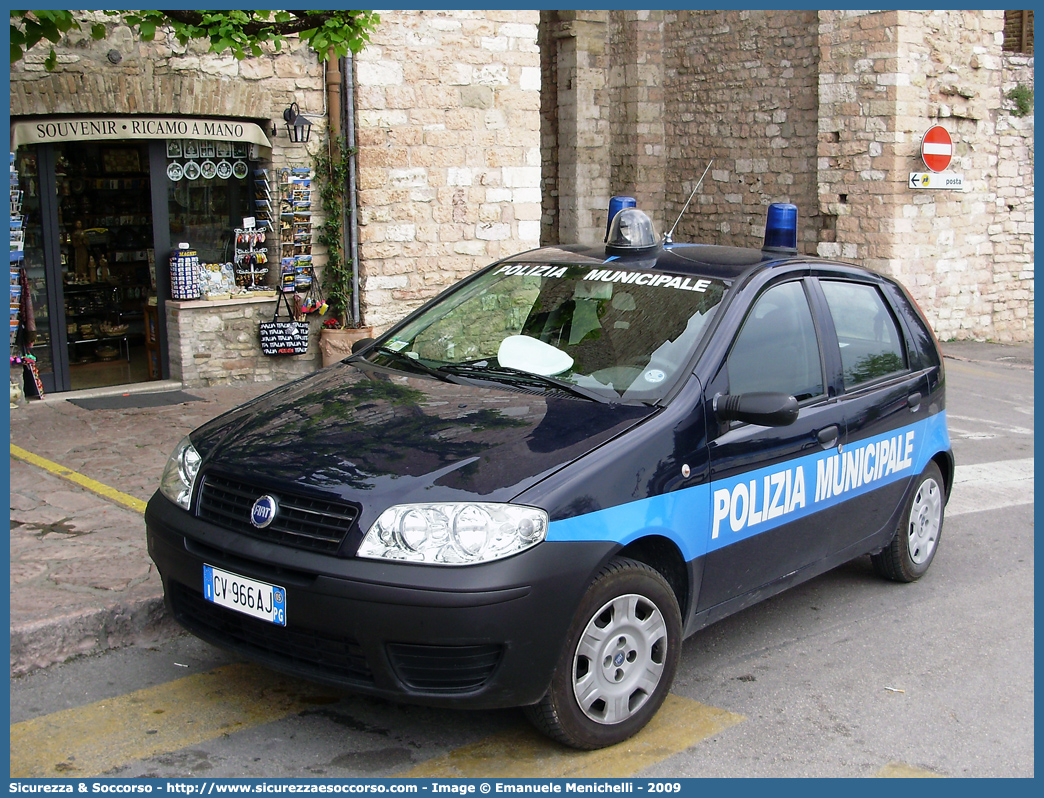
(339, 657)
(444, 669)
(301, 522)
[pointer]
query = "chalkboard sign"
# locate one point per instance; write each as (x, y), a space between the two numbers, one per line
(284, 337)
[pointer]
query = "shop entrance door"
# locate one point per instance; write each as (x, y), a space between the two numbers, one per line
(90, 259)
(107, 260)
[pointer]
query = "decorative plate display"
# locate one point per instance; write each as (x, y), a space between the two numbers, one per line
(239, 169)
(192, 170)
(224, 170)
(208, 169)
(175, 171)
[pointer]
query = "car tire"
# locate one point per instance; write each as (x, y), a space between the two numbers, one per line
(916, 539)
(619, 660)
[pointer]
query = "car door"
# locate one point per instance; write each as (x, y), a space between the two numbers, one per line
(884, 402)
(763, 524)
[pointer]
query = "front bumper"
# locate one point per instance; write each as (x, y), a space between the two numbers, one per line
(481, 636)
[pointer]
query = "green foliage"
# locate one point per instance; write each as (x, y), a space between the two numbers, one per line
(332, 175)
(29, 28)
(1022, 96)
(240, 32)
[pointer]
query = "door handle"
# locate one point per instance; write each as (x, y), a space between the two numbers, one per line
(913, 401)
(828, 436)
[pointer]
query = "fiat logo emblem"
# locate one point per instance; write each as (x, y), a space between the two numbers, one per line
(264, 511)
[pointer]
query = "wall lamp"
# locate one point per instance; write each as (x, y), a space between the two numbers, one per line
(298, 129)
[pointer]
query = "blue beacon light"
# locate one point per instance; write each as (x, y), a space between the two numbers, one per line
(781, 229)
(617, 204)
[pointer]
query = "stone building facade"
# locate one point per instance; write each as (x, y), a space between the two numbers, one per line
(485, 133)
(447, 114)
(823, 109)
(448, 131)
(206, 343)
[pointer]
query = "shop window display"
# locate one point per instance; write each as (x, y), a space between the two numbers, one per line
(208, 196)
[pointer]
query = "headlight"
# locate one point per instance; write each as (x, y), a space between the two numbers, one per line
(453, 533)
(180, 474)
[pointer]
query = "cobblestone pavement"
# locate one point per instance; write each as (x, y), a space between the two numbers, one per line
(81, 578)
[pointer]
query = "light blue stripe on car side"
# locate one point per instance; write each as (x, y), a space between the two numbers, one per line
(707, 517)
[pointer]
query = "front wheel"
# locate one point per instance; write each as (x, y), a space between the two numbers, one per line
(619, 660)
(916, 540)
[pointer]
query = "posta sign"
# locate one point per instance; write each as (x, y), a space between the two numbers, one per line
(936, 148)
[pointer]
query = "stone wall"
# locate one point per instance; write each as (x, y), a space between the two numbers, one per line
(822, 109)
(740, 87)
(448, 128)
(218, 343)
(967, 256)
(636, 113)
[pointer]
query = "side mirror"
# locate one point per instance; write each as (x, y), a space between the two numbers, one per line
(361, 344)
(763, 408)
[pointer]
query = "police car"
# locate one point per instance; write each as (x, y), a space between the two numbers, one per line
(530, 491)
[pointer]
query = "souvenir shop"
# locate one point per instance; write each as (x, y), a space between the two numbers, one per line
(99, 204)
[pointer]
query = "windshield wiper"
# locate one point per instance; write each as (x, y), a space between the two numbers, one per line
(422, 367)
(483, 370)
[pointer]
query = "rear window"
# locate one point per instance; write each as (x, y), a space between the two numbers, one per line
(871, 346)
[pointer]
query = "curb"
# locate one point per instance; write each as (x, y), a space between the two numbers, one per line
(56, 640)
(963, 359)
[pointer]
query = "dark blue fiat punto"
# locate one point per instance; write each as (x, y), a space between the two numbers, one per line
(530, 491)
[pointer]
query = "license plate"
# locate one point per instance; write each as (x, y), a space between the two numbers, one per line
(259, 599)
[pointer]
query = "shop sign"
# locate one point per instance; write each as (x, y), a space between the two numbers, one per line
(46, 131)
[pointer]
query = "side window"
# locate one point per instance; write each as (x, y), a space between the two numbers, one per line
(871, 346)
(777, 348)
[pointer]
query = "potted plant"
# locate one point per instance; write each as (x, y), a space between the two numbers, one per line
(341, 329)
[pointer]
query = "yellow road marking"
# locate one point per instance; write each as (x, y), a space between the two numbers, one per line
(524, 753)
(900, 770)
(67, 473)
(91, 740)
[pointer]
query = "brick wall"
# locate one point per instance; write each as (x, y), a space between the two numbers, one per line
(448, 127)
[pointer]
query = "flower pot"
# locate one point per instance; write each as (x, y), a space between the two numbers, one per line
(336, 345)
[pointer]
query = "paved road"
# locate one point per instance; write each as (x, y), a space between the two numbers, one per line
(844, 676)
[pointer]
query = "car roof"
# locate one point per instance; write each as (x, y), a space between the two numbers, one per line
(705, 260)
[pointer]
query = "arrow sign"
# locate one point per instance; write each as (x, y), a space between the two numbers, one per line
(943, 180)
(936, 148)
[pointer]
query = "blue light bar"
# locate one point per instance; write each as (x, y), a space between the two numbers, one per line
(781, 229)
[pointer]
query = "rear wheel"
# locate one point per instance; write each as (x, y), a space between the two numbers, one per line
(619, 660)
(913, 548)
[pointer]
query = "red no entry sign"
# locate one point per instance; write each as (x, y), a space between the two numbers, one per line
(936, 148)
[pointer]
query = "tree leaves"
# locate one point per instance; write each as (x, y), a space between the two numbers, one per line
(241, 33)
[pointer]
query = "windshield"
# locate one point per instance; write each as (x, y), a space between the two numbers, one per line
(605, 334)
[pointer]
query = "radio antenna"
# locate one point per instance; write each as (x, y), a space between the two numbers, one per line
(667, 236)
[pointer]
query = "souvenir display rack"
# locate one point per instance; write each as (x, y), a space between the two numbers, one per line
(21, 353)
(251, 257)
(262, 199)
(295, 230)
(17, 254)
